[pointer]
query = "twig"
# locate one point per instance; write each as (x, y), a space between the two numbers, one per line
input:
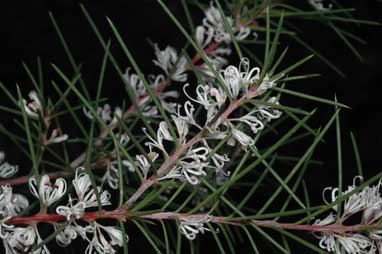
(122, 214)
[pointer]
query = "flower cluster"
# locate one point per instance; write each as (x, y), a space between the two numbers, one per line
(21, 240)
(6, 170)
(101, 238)
(239, 84)
(368, 203)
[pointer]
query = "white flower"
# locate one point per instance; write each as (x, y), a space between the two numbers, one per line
(55, 137)
(265, 85)
(351, 243)
(204, 97)
(102, 245)
(266, 112)
(204, 36)
(376, 236)
(143, 164)
(45, 192)
(105, 113)
(330, 219)
(318, 5)
(251, 120)
(240, 79)
(20, 240)
(190, 167)
(6, 170)
(241, 137)
(171, 64)
(76, 211)
(218, 60)
(112, 174)
(190, 227)
(369, 203)
(181, 127)
(11, 204)
(123, 138)
(163, 132)
(34, 107)
(65, 237)
(135, 83)
(373, 201)
(85, 191)
(215, 22)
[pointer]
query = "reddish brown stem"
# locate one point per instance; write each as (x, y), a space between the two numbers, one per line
(48, 218)
(121, 214)
(207, 51)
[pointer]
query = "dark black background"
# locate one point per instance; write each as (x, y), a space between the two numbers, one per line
(26, 32)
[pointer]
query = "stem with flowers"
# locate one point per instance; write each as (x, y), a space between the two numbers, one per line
(197, 154)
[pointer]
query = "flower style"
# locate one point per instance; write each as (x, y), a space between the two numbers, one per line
(11, 204)
(190, 227)
(34, 107)
(6, 170)
(45, 192)
(173, 65)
